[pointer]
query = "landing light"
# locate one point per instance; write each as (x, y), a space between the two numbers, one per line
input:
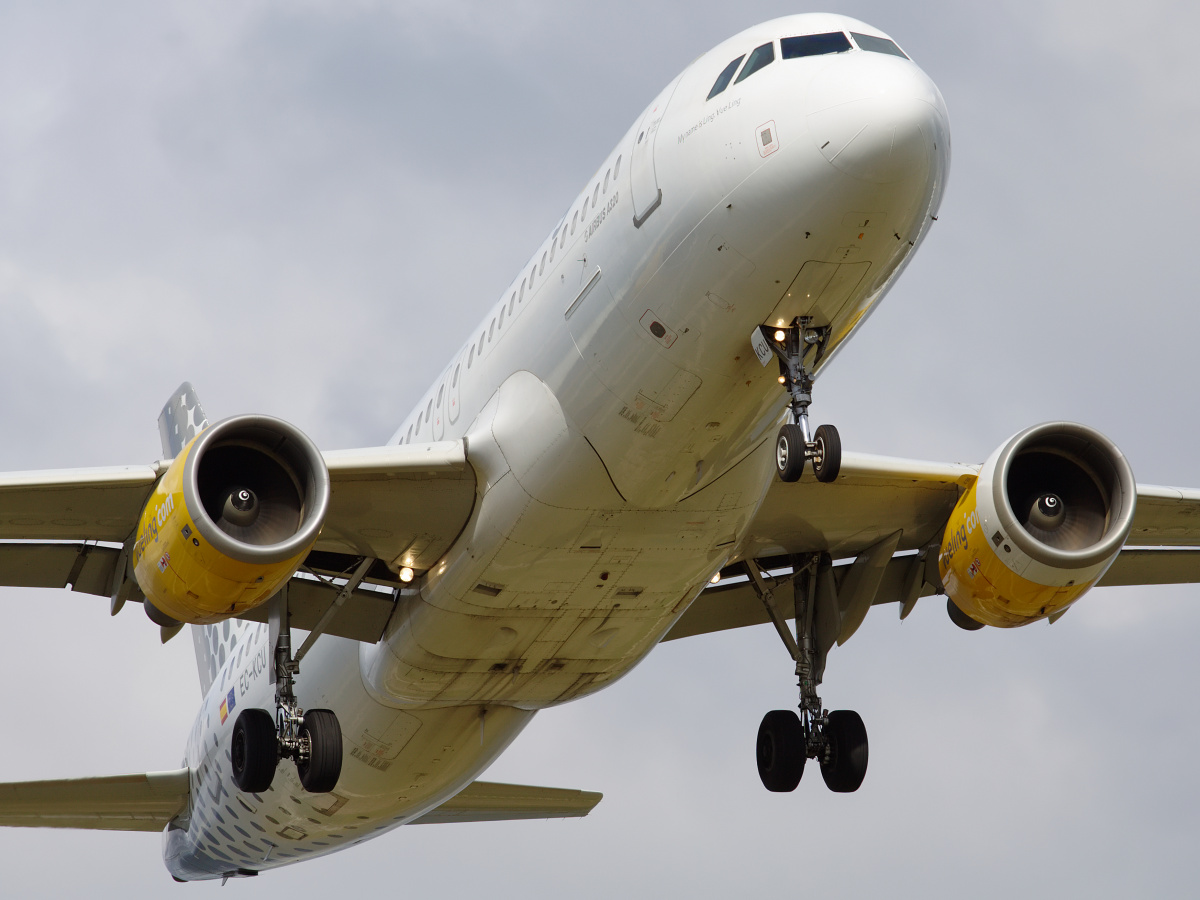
(782, 380)
(406, 574)
(715, 579)
(779, 336)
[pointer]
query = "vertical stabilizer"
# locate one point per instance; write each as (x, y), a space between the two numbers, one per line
(180, 420)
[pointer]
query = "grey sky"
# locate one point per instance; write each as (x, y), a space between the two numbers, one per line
(303, 208)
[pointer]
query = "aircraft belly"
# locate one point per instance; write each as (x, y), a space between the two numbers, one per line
(557, 585)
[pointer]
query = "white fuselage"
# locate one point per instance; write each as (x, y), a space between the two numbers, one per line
(618, 423)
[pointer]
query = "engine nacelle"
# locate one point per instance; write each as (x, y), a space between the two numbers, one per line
(1043, 522)
(230, 520)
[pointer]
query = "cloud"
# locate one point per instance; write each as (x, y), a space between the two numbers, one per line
(304, 209)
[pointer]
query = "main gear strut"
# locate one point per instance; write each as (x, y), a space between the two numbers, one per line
(313, 739)
(837, 739)
(796, 444)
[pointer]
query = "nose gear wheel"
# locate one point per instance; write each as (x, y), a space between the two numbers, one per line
(795, 443)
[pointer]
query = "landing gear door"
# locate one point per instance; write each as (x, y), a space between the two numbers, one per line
(643, 180)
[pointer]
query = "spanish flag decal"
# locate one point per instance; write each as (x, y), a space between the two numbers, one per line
(227, 706)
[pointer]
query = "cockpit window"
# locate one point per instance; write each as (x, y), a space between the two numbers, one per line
(876, 45)
(759, 57)
(814, 45)
(724, 78)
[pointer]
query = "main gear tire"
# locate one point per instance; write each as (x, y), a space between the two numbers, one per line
(781, 750)
(845, 765)
(254, 751)
(320, 772)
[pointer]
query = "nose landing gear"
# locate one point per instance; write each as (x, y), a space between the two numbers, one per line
(837, 739)
(796, 444)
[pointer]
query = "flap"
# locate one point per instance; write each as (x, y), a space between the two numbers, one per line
(145, 802)
(362, 617)
(1153, 566)
(487, 801)
(735, 604)
(85, 567)
(873, 497)
(1166, 517)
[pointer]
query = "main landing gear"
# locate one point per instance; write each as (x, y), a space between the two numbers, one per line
(796, 444)
(837, 739)
(312, 739)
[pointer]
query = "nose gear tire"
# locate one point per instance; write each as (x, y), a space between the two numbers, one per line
(319, 773)
(789, 453)
(845, 766)
(828, 461)
(254, 751)
(781, 750)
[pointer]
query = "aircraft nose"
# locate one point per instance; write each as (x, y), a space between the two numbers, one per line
(878, 118)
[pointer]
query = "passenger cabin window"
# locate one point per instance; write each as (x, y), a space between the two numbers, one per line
(574, 221)
(877, 44)
(454, 380)
(761, 56)
(441, 390)
(617, 167)
(471, 356)
(607, 175)
(409, 438)
(512, 301)
(724, 78)
(500, 324)
(814, 45)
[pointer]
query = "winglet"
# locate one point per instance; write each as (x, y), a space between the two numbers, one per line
(180, 420)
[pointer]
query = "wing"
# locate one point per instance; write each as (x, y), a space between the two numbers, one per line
(874, 496)
(144, 802)
(485, 801)
(400, 505)
(877, 498)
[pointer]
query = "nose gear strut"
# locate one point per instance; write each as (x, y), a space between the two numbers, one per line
(796, 444)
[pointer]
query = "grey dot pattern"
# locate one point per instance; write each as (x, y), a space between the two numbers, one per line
(180, 420)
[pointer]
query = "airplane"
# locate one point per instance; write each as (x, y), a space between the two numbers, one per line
(599, 450)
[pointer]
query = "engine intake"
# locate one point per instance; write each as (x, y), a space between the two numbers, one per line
(231, 519)
(1047, 516)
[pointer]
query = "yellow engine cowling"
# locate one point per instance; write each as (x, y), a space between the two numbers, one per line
(230, 520)
(1042, 524)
